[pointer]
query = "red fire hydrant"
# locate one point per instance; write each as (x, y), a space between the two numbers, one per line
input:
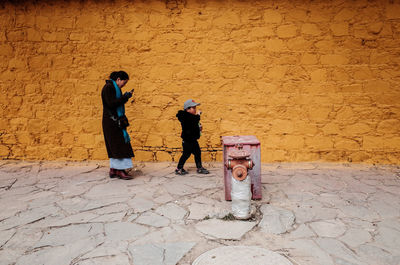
(242, 158)
(239, 162)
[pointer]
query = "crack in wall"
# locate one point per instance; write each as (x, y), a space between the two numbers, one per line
(175, 6)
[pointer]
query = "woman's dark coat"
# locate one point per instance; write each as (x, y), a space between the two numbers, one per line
(113, 135)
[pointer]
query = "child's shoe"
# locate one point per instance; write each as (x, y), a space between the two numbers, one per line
(202, 170)
(180, 171)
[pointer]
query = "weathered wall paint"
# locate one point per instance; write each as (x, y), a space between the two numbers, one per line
(313, 80)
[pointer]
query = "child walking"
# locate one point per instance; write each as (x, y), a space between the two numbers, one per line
(191, 128)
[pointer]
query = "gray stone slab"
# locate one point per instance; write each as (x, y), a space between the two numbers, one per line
(118, 231)
(44, 199)
(276, 220)
(394, 189)
(331, 184)
(107, 218)
(299, 196)
(60, 255)
(110, 209)
(384, 209)
(309, 212)
(130, 217)
(171, 211)
(97, 176)
(160, 254)
(38, 198)
(199, 211)
(65, 171)
(356, 237)
(388, 198)
(328, 228)
(273, 178)
(69, 234)
(69, 188)
(223, 208)
(339, 252)
(7, 182)
(95, 204)
(28, 217)
(389, 239)
(354, 198)
(9, 210)
(73, 205)
(219, 229)
(110, 189)
(108, 248)
(171, 233)
(373, 255)
(202, 183)
(331, 199)
(164, 198)
(152, 219)
(140, 205)
(276, 194)
(306, 251)
(6, 235)
(24, 239)
(120, 259)
(24, 180)
(354, 185)
(303, 231)
(16, 192)
(179, 187)
(393, 223)
(146, 191)
(239, 255)
(46, 184)
(204, 200)
(75, 219)
(160, 169)
(301, 184)
(359, 212)
(39, 195)
(10, 256)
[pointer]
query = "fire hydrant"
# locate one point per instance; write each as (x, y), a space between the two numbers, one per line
(240, 162)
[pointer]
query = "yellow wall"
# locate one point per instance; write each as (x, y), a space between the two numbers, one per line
(313, 80)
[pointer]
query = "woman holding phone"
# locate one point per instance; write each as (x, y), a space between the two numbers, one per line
(114, 123)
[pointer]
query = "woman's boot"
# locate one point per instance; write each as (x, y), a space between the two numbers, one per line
(122, 175)
(113, 173)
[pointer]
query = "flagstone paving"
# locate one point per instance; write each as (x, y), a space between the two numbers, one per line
(311, 213)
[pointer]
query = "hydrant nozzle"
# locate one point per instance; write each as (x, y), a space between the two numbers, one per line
(239, 163)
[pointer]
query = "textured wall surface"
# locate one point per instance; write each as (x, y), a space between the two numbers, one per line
(313, 80)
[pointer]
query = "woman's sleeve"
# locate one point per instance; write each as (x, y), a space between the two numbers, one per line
(111, 100)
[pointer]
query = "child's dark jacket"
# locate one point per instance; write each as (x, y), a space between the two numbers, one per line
(190, 125)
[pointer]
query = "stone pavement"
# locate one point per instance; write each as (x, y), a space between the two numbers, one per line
(311, 213)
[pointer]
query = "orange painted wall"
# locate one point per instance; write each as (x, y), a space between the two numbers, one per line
(313, 80)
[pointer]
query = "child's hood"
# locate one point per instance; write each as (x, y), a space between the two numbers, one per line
(181, 115)
(186, 116)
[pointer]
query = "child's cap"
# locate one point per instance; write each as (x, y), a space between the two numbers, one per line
(190, 103)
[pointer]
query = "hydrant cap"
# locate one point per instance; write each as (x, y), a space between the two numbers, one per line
(239, 172)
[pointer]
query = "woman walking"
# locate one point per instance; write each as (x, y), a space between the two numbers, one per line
(114, 123)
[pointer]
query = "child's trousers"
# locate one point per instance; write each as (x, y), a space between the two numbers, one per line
(190, 147)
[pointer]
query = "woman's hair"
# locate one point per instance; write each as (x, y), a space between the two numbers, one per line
(120, 74)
